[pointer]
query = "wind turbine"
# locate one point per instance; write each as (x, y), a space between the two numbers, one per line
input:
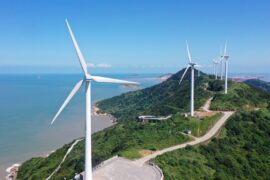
(190, 65)
(88, 78)
(221, 64)
(225, 56)
(215, 64)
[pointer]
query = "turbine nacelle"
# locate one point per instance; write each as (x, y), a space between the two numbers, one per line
(192, 64)
(226, 57)
(87, 77)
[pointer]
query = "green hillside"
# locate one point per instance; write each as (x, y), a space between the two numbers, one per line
(256, 83)
(241, 151)
(240, 97)
(124, 139)
(129, 136)
(162, 99)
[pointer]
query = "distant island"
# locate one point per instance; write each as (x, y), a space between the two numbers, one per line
(164, 77)
(130, 87)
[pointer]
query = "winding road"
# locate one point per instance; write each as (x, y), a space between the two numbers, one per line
(210, 134)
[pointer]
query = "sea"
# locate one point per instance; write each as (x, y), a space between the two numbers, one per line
(28, 102)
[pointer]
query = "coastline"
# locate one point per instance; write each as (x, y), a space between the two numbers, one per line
(11, 171)
(95, 112)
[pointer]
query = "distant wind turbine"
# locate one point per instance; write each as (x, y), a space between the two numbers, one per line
(87, 81)
(191, 65)
(215, 65)
(221, 68)
(225, 56)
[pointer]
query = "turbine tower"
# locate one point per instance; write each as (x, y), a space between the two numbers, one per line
(190, 65)
(221, 68)
(215, 64)
(221, 64)
(88, 78)
(225, 56)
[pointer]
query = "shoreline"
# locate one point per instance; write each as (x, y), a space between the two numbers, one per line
(11, 171)
(95, 110)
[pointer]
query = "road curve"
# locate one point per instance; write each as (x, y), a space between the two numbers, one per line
(199, 140)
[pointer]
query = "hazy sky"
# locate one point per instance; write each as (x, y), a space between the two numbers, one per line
(133, 35)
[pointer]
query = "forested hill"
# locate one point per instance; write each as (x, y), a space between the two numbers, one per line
(259, 84)
(165, 98)
(169, 97)
(241, 151)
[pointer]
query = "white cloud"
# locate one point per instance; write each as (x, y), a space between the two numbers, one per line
(90, 65)
(102, 65)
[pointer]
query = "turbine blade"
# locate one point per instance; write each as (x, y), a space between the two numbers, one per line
(78, 51)
(225, 48)
(184, 74)
(111, 80)
(220, 59)
(71, 94)
(189, 56)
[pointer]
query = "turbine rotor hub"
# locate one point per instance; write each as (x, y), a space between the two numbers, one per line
(88, 77)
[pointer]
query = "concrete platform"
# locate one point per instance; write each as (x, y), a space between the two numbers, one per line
(118, 168)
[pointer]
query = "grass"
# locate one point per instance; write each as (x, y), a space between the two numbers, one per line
(240, 152)
(171, 135)
(197, 126)
(131, 153)
(240, 96)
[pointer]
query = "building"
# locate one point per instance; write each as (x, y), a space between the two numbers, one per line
(187, 131)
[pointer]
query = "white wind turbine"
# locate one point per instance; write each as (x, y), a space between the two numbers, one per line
(215, 65)
(225, 56)
(221, 64)
(192, 66)
(88, 78)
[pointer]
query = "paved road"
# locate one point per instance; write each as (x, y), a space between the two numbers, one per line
(199, 140)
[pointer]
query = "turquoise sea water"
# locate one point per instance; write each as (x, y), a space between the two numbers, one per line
(29, 102)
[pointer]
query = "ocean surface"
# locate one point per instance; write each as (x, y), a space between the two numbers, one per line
(28, 102)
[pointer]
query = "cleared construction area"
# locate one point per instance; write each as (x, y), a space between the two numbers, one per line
(118, 168)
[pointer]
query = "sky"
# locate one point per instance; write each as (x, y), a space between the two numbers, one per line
(134, 36)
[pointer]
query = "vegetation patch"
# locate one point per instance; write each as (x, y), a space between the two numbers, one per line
(243, 152)
(165, 98)
(259, 84)
(240, 97)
